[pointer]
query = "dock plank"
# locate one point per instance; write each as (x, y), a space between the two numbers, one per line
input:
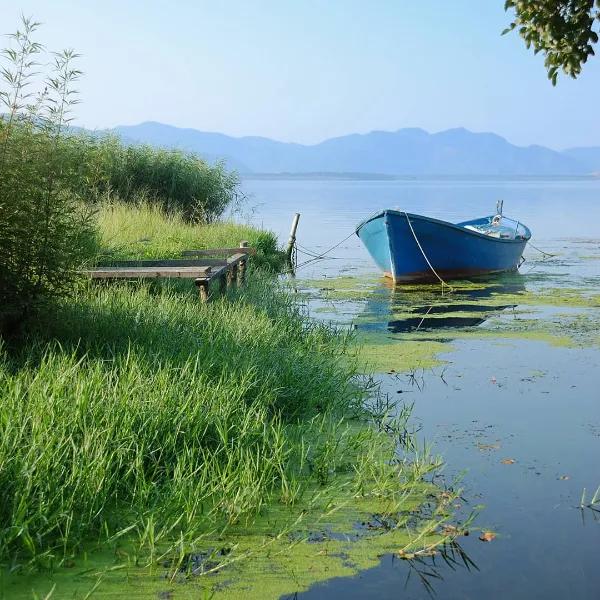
(126, 272)
(218, 251)
(165, 262)
(203, 271)
(236, 258)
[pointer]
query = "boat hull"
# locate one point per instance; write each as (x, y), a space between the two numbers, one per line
(393, 238)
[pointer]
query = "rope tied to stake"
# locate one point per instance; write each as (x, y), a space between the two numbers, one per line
(322, 255)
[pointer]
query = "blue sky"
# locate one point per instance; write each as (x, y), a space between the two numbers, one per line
(306, 70)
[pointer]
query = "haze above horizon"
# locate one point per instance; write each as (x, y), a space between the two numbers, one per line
(305, 72)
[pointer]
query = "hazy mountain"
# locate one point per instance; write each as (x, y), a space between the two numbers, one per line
(402, 152)
(589, 157)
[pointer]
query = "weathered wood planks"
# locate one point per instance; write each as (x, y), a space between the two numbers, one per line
(218, 251)
(227, 271)
(170, 262)
(145, 272)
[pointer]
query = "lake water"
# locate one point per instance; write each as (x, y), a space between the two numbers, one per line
(530, 400)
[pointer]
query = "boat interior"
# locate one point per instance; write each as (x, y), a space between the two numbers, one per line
(498, 226)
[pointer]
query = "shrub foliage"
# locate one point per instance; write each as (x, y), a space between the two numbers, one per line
(177, 181)
(52, 180)
(44, 231)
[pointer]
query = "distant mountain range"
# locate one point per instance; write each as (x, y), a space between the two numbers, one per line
(390, 153)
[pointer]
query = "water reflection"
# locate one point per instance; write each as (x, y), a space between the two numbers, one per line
(522, 399)
(428, 321)
(515, 401)
(409, 309)
(426, 569)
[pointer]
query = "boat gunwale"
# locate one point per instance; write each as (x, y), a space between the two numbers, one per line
(447, 224)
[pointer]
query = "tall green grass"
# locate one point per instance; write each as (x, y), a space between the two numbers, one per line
(144, 230)
(129, 404)
(134, 412)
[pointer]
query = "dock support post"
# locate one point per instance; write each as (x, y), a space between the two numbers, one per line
(202, 286)
(223, 283)
(232, 276)
(292, 241)
(241, 271)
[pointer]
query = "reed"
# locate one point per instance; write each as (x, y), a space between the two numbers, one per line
(593, 503)
(175, 180)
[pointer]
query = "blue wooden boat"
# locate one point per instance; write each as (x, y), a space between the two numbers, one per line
(409, 247)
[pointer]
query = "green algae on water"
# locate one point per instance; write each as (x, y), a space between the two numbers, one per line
(382, 507)
(397, 355)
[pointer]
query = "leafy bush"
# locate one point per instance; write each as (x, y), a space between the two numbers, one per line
(176, 181)
(44, 231)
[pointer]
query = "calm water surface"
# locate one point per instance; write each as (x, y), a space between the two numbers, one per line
(498, 398)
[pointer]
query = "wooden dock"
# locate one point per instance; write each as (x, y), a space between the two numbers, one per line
(228, 270)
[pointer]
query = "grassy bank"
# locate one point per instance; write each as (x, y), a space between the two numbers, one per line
(135, 419)
(143, 230)
(152, 405)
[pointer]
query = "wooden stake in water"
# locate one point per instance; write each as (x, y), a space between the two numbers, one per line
(292, 240)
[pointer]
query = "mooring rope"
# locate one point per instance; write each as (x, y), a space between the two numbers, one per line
(323, 255)
(541, 251)
(424, 317)
(306, 251)
(303, 250)
(425, 255)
